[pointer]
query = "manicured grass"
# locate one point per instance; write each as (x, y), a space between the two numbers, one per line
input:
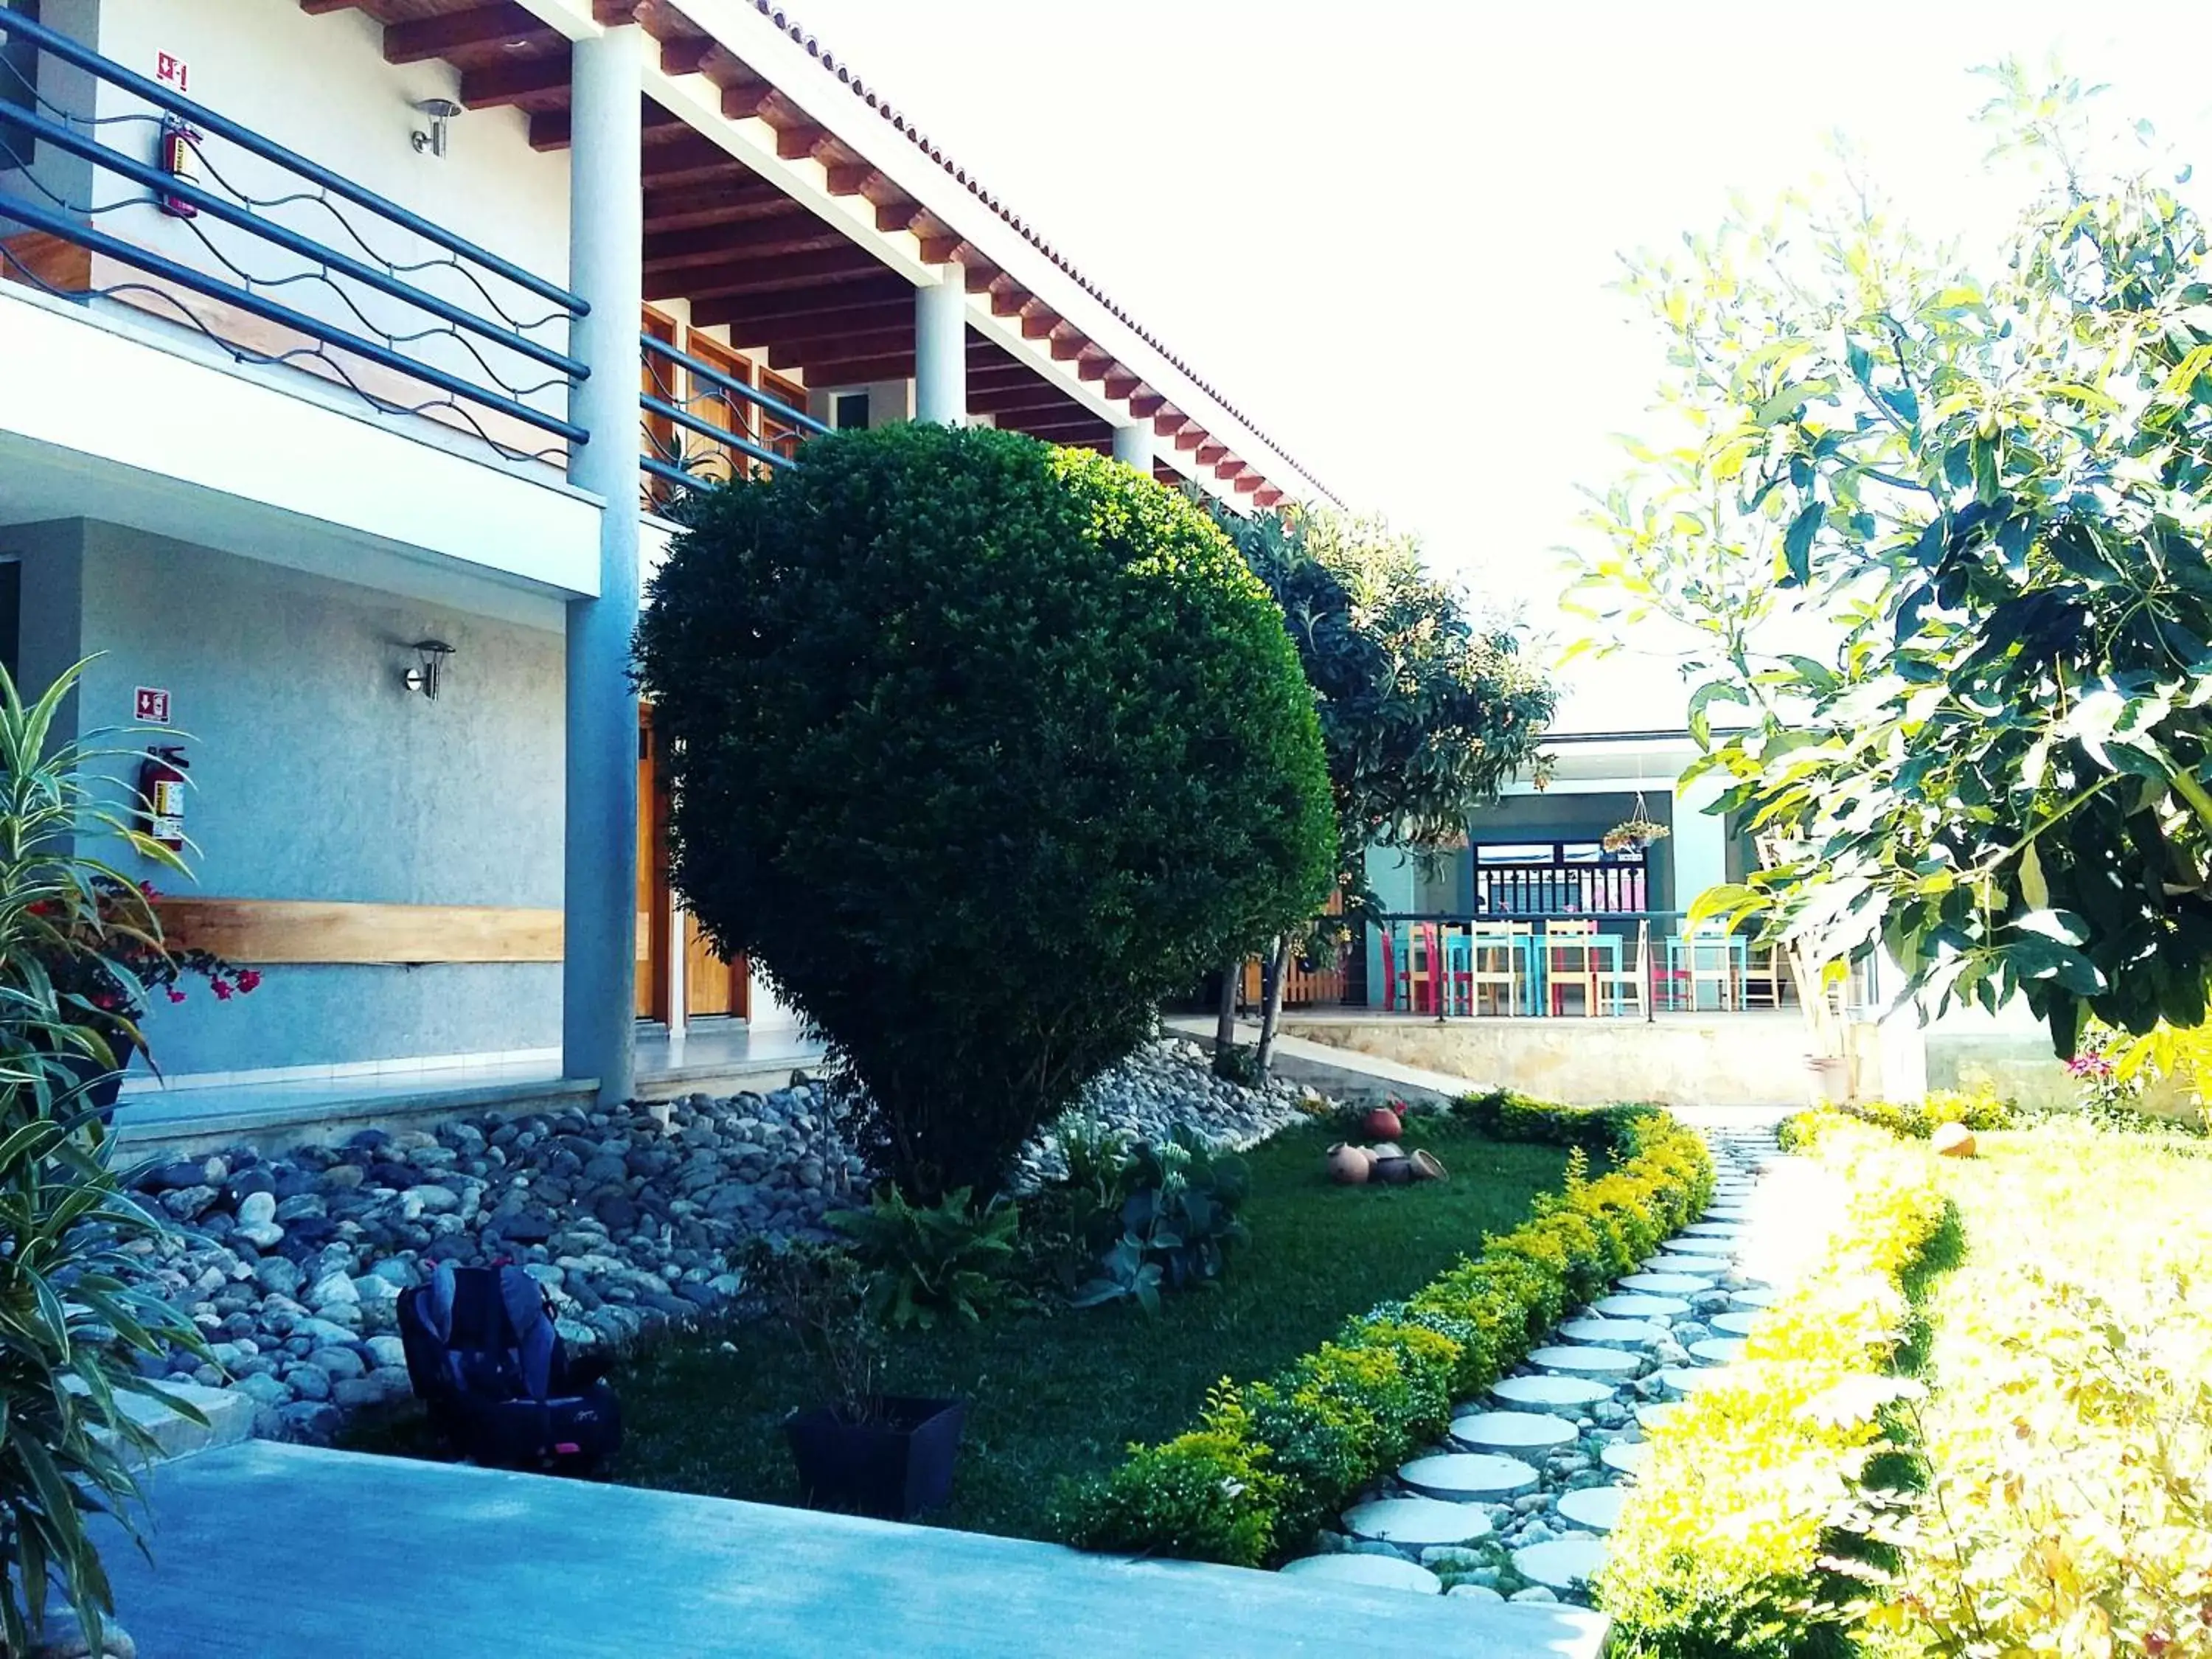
(1062, 1394)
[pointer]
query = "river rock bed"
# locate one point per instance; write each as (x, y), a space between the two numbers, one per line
(293, 1264)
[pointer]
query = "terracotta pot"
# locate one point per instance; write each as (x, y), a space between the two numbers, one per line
(1427, 1166)
(1382, 1123)
(1349, 1166)
(1392, 1167)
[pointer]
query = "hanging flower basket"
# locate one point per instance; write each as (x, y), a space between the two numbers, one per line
(1632, 834)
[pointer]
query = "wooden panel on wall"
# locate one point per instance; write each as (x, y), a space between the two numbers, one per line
(34, 257)
(266, 931)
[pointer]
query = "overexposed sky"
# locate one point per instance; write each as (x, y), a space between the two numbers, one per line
(1385, 229)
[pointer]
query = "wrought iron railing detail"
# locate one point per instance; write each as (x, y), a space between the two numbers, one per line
(492, 345)
(702, 427)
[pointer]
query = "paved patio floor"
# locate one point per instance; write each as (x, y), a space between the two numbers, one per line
(276, 1550)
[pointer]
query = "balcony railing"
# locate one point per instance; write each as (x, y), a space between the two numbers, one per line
(271, 257)
(702, 425)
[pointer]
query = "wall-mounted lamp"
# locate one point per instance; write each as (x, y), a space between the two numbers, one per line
(424, 676)
(441, 111)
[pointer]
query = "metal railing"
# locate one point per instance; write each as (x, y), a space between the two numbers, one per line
(702, 427)
(1618, 963)
(368, 315)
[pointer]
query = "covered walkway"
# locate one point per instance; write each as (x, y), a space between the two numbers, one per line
(263, 1549)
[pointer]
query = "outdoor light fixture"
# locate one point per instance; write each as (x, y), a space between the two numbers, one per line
(424, 678)
(441, 111)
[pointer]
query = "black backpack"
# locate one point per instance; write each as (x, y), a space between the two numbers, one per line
(485, 1359)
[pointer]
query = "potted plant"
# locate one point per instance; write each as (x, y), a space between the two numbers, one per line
(862, 1451)
(108, 963)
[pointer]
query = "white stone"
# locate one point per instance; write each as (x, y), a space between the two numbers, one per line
(1561, 1564)
(1679, 1379)
(1754, 1297)
(1586, 1362)
(1718, 1350)
(1512, 1430)
(1714, 1230)
(1687, 1267)
(1367, 1573)
(1564, 1396)
(1611, 1333)
(1594, 1509)
(1662, 1284)
(1687, 1245)
(256, 1209)
(1640, 1307)
(1655, 1416)
(1469, 1477)
(1475, 1592)
(1733, 1324)
(1627, 1456)
(1417, 1521)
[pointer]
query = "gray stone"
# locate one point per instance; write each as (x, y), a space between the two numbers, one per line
(1560, 1564)
(331, 1290)
(1734, 1324)
(1468, 1477)
(1564, 1397)
(1718, 1350)
(1533, 1593)
(1594, 1509)
(1571, 1361)
(1368, 1573)
(1680, 1266)
(62, 1637)
(309, 1382)
(1512, 1430)
(1611, 1333)
(1626, 1456)
(1678, 1379)
(1641, 1308)
(1651, 1283)
(1416, 1521)
(1655, 1415)
(256, 1209)
(1690, 1244)
(1475, 1592)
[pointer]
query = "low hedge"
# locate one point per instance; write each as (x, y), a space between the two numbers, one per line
(1916, 1120)
(1722, 1549)
(1270, 1461)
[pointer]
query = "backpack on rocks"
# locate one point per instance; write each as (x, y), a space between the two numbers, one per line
(485, 1359)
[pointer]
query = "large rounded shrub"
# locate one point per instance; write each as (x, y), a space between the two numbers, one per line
(978, 748)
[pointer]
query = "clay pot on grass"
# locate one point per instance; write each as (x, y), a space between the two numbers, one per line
(1382, 1123)
(1392, 1167)
(1349, 1166)
(1427, 1166)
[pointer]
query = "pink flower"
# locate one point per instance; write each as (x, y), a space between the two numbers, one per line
(249, 978)
(175, 995)
(220, 987)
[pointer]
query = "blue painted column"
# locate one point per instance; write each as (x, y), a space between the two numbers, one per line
(606, 234)
(940, 349)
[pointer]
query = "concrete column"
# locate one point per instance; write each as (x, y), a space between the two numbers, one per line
(599, 979)
(1133, 446)
(1699, 858)
(940, 349)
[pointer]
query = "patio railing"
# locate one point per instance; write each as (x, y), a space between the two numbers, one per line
(703, 426)
(1630, 964)
(269, 256)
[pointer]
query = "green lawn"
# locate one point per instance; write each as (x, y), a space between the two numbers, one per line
(1062, 1394)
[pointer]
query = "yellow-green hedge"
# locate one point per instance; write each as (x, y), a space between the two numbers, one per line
(1720, 1546)
(1270, 1461)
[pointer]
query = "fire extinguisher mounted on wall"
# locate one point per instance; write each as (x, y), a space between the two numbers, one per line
(161, 794)
(179, 157)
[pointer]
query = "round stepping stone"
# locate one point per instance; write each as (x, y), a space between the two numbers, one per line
(1587, 1361)
(1714, 1230)
(1469, 1477)
(1420, 1522)
(1512, 1430)
(1661, 1284)
(1641, 1307)
(1561, 1564)
(1611, 1333)
(1365, 1572)
(1718, 1350)
(1594, 1509)
(1626, 1456)
(1687, 1244)
(1700, 1267)
(1684, 1379)
(1654, 1416)
(1733, 1324)
(1562, 1396)
(1754, 1297)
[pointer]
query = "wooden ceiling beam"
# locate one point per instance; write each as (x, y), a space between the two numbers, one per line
(762, 277)
(848, 177)
(1146, 404)
(324, 8)
(502, 22)
(692, 207)
(858, 371)
(746, 99)
(858, 342)
(1250, 484)
(783, 310)
(516, 81)
(1267, 496)
(992, 399)
(686, 54)
(721, 245)
(1168, 421)
(796, 143)
(1121, 386)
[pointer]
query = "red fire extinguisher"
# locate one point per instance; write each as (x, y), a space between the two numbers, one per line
(161, 795)
(179, 159)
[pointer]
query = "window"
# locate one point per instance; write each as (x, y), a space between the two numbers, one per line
(1552, 878)
(18, 80)
(849, 411)
(11, 619)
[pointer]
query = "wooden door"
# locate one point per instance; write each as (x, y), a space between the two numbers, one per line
(712, 986)
(653, 906)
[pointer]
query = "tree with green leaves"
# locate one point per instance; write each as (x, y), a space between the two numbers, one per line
(978, 748)
(1937, 529)
(1425, 713)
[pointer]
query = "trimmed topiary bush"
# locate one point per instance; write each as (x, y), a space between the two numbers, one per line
(978, 748)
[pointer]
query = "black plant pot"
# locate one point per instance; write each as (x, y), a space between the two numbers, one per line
(104, 1083)
(895, 1464)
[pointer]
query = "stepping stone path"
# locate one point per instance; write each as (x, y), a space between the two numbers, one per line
(1522, 1493)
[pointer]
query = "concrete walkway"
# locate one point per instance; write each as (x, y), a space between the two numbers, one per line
(272, 1549)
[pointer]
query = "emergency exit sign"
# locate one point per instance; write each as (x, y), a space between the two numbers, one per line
(172, 71)
(151, 705)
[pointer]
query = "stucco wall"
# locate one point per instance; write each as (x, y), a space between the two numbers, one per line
(317, 775)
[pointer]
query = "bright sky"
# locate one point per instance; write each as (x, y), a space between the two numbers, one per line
(1385, 229)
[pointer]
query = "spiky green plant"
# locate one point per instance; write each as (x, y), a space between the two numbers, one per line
(69, 1319)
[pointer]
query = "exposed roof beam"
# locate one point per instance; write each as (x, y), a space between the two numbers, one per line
(857, 371)
(849, 304)
(514, 83)
(865, 342)
(686, 54)
(763, 275)
(716, 245)
(423, 37)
